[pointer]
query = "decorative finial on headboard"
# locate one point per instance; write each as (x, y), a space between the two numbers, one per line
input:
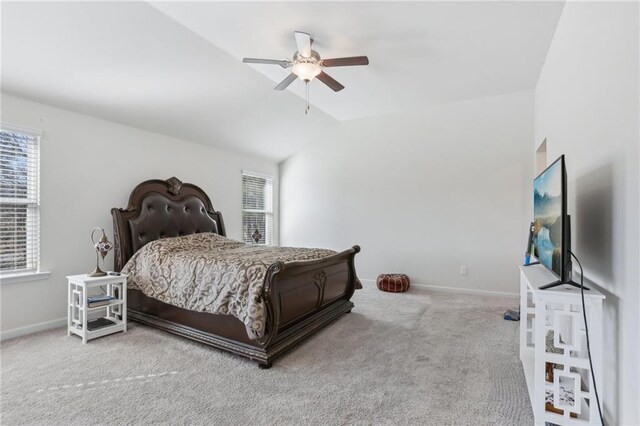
(175, 185)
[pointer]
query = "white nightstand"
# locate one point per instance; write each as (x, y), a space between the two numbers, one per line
(79, 312)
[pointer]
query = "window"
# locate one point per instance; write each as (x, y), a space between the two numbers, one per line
(257, 208)
(19, 200)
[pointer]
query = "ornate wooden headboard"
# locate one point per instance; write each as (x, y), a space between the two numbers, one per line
(159, 209)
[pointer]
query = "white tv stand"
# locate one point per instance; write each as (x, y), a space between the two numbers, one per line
(560, 310)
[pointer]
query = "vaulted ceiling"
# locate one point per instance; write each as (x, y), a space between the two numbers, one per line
(175, 67)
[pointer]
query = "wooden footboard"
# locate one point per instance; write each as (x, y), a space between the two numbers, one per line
(304, 296)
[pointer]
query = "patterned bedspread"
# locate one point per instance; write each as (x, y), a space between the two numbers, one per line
(210, 273)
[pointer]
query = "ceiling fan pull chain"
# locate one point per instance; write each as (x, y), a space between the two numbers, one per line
(306, 110)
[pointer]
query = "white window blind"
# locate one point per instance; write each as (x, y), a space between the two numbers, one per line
(19, 200)
(257, 207)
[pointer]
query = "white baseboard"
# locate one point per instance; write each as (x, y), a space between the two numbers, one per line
(22, 331)
(367, 281)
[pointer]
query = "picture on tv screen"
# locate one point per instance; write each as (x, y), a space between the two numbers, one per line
(547, 212)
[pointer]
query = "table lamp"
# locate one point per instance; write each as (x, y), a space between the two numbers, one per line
(102, 246)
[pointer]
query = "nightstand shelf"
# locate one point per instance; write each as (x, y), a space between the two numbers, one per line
(80, 288)
(97, 308)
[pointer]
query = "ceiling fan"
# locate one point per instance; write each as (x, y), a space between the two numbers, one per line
(307, 64)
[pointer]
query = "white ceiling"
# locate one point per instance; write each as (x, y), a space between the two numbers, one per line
(420, 52)
(175, 67)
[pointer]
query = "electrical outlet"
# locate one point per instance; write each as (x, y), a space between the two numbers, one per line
(463, 270)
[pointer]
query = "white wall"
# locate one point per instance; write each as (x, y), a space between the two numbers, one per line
(586, 106)
(90, 165)
(423, 193)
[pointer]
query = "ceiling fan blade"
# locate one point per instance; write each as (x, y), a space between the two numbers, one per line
(303, 40)
(329, 81)
(282, 62)
(286, 82)
(345, 62)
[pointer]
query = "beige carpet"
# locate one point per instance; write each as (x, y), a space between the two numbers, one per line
(421, 358)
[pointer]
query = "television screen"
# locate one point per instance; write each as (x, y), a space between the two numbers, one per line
(548, 212)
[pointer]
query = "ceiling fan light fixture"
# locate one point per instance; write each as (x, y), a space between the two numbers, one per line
(307, 71)
(307, 64)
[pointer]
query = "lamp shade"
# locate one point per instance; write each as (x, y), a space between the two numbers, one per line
(306, 70)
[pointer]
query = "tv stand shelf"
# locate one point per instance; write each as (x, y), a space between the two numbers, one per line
(557, 312)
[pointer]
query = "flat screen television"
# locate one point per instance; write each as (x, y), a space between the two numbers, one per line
(551, 227)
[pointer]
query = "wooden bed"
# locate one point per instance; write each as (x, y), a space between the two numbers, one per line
(300, 297)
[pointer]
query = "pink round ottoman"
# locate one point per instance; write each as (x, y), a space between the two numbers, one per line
(393, 283)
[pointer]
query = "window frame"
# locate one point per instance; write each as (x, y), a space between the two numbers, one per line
(32, 270)
(269, 225)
